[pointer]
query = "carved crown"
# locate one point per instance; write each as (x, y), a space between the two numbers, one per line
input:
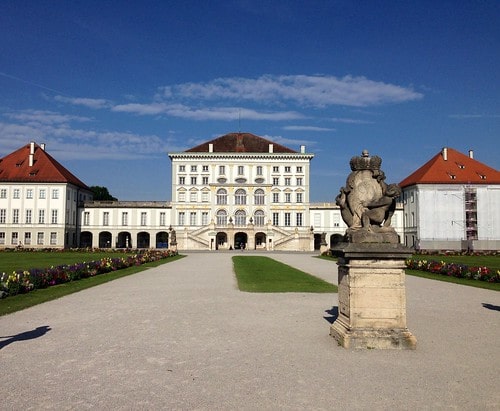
(365, 162)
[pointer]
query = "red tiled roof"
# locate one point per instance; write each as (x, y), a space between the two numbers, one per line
(15, 167)
(458, 168)
(240, 143)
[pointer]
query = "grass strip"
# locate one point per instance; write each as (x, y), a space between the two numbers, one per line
(264, 275)
(455, 280)
(21, 301)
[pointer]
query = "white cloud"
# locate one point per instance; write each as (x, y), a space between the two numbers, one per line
(289, 142)
(94, 103)
(304, 90)
(209, 113)
(307, 128)
(467, 116)
(43, 117)
(68, 142)
(350, 120)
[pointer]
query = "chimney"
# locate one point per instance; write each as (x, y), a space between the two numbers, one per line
(303, 149)
(444, 152)
(471, 154)
(31, 161)
(42, 146)
(210, 148)
(32, 147)
(271, 148)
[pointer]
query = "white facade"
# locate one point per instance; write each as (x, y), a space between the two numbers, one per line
(39, 215)
(232, 200)
(452, 217)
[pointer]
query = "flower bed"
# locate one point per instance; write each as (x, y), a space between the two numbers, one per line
(25, 281)
(454, 270)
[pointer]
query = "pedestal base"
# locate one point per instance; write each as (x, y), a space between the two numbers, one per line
(372, 298)
(399, 339)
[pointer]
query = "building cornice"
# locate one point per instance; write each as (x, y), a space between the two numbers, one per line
(249, 156)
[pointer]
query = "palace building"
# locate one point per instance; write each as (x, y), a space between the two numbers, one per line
(239, 191)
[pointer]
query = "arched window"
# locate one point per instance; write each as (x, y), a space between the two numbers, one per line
(240, 197)
(221, 217)
(221, 196)
(259, 217)
(240, 218)
(259, 197)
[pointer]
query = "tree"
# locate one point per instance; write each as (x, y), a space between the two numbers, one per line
(102, 194)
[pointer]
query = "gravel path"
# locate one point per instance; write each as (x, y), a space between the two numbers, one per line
(181, 336)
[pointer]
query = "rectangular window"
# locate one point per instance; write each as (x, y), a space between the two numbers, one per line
(193, 196)
(39, 238)
(2, 238)
(205, 169)
(182, 196)
(299, 169)
(288, 181)
(29, 193)
(299, 219)
(317, 220)
(276, 181)
(276, 169)
(41, 216)
(287, 219)
(17, 193)
(204, 218)
(55, 194)
(182, 218)
(288, 169)
(276, 218)
(15, 216)
(163, 219)
(204, 180)
(241, 170)
(53, 219)
(299, 181)
(299, 198)
(105, 218)
(204, 196)
(193, 169)
(276, 197)
(53, 238)
(192, 218)
(28, 216)
(42, 194)
(182, 181)
(14, 238)
(182, 168)
(222, 170)
(259, 170)
(125, 218)
(288, 197)
(3, 193)
(3, 215)
(144, 217)
(27, 238)
(86, 218)
(193, 181)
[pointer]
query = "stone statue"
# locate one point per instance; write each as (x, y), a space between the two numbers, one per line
(173, 237)
(367, 202)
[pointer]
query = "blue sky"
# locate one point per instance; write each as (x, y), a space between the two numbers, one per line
(112, 86)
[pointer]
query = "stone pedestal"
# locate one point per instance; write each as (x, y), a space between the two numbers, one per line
(372, 299)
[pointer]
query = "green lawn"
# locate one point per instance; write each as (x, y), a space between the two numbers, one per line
(492, 262)
(22, 301)
(265, 275)
(24, 260)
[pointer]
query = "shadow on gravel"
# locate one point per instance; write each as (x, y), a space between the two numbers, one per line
(333, 314)
(27, 335)
(491, 307)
